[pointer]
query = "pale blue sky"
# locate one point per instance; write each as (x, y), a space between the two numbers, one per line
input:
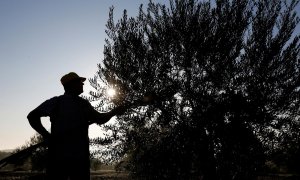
(41, 40)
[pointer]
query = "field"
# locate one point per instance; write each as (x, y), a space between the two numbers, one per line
(95, 175)
(109, 175)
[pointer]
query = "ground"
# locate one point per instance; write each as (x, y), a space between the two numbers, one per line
(96, 175)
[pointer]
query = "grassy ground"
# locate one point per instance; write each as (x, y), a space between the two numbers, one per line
(111, 175)
(95, 175)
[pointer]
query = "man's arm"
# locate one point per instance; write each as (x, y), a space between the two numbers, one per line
(101, 118)
(34, 118)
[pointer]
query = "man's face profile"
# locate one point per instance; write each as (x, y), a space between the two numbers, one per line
(75, 86)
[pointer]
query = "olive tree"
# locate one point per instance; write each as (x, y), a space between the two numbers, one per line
(224, 79)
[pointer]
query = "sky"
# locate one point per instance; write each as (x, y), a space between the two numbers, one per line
(40, 41)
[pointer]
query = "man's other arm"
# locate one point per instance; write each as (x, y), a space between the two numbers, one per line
(34, 118)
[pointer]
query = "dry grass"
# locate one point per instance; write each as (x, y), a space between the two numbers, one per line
(95, 175)
(110, 175)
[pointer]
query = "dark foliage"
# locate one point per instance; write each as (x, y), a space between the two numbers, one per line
(225, 75)
(31, 156)
(39, 155)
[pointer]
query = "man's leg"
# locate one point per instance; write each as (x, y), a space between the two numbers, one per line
(80, 169)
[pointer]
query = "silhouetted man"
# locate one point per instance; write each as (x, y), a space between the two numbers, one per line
(70, 117)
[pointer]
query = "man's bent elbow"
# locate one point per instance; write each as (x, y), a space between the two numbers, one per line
(33, 116)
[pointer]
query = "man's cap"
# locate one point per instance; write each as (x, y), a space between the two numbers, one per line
(71, 77)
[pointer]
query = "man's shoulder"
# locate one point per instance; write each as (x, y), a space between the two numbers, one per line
(79, 99)
(48, 104)
(84, 101)
(55, 98)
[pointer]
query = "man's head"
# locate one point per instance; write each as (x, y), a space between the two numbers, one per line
(72, 83)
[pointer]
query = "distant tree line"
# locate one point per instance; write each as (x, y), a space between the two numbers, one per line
(224, 75)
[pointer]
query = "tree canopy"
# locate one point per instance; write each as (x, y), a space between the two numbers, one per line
(225, 78)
